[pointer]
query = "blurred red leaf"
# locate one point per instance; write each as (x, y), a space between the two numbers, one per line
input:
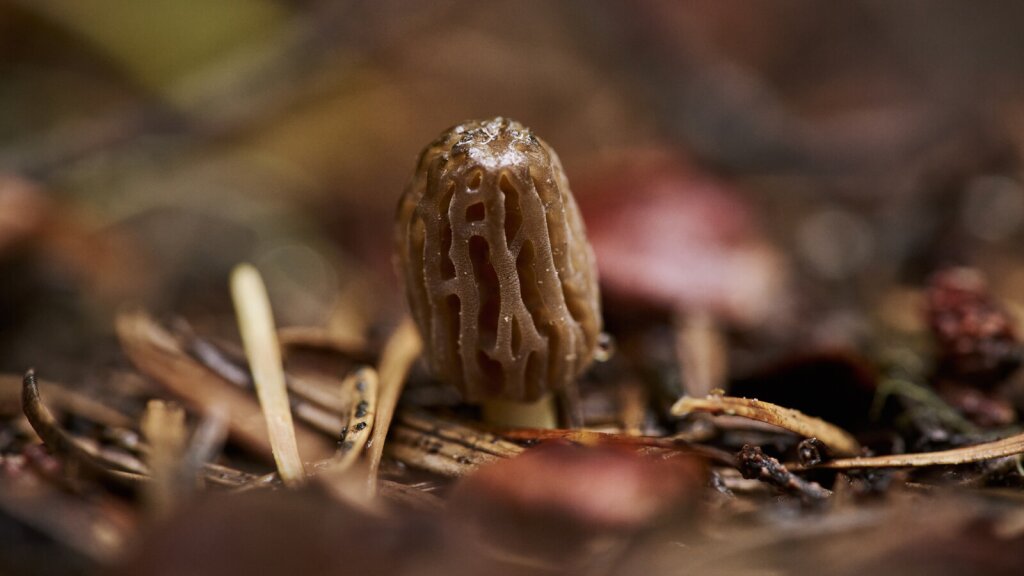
(666, 234)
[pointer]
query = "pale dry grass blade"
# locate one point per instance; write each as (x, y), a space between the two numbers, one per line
(163, 425)
(256, 324)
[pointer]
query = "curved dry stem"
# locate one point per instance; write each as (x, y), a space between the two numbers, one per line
(837, 439)
(401, 350)
(60, 442)
(61, 398)
(344, 476)
(362, 387)
(1009, 446)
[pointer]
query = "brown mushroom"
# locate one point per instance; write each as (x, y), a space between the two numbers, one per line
(498, 272)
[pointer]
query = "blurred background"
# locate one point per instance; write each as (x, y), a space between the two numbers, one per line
(794, 168)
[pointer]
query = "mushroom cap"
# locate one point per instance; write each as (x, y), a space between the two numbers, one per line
(498, 272)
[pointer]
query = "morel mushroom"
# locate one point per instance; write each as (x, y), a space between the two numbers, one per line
(498, 272)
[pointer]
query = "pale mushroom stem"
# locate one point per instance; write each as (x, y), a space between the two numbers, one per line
(511, 414)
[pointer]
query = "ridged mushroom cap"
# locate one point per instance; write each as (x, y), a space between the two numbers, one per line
(498, 272)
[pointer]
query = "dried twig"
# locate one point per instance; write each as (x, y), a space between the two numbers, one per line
(444, 447)
(317, 337)
(158, 355)
(318, 401)
(582, 436)
(362, 387)
(410, 496)
(163, 425)
(458, 433)
(225, 476)
(701, 352)
(62, 399)
(60, 442)
(837, 439)
(206, 443)
(996, 449)
(256, 324)
(755, 464)
(433, 453)
(659, 443)
(400, 352)
(310, 403)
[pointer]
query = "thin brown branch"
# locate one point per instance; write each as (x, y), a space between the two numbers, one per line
(837, 439)
(61, 399)
(410, 496)
(433, 453)
(319, 402)
(163, 425)
(317, 337)
(400, 352)
(755, 464)
(469, 437)
(60, 442)
(444, 447)
(1009, 446)
(362, 386)
(158, 355)
(597, 437)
